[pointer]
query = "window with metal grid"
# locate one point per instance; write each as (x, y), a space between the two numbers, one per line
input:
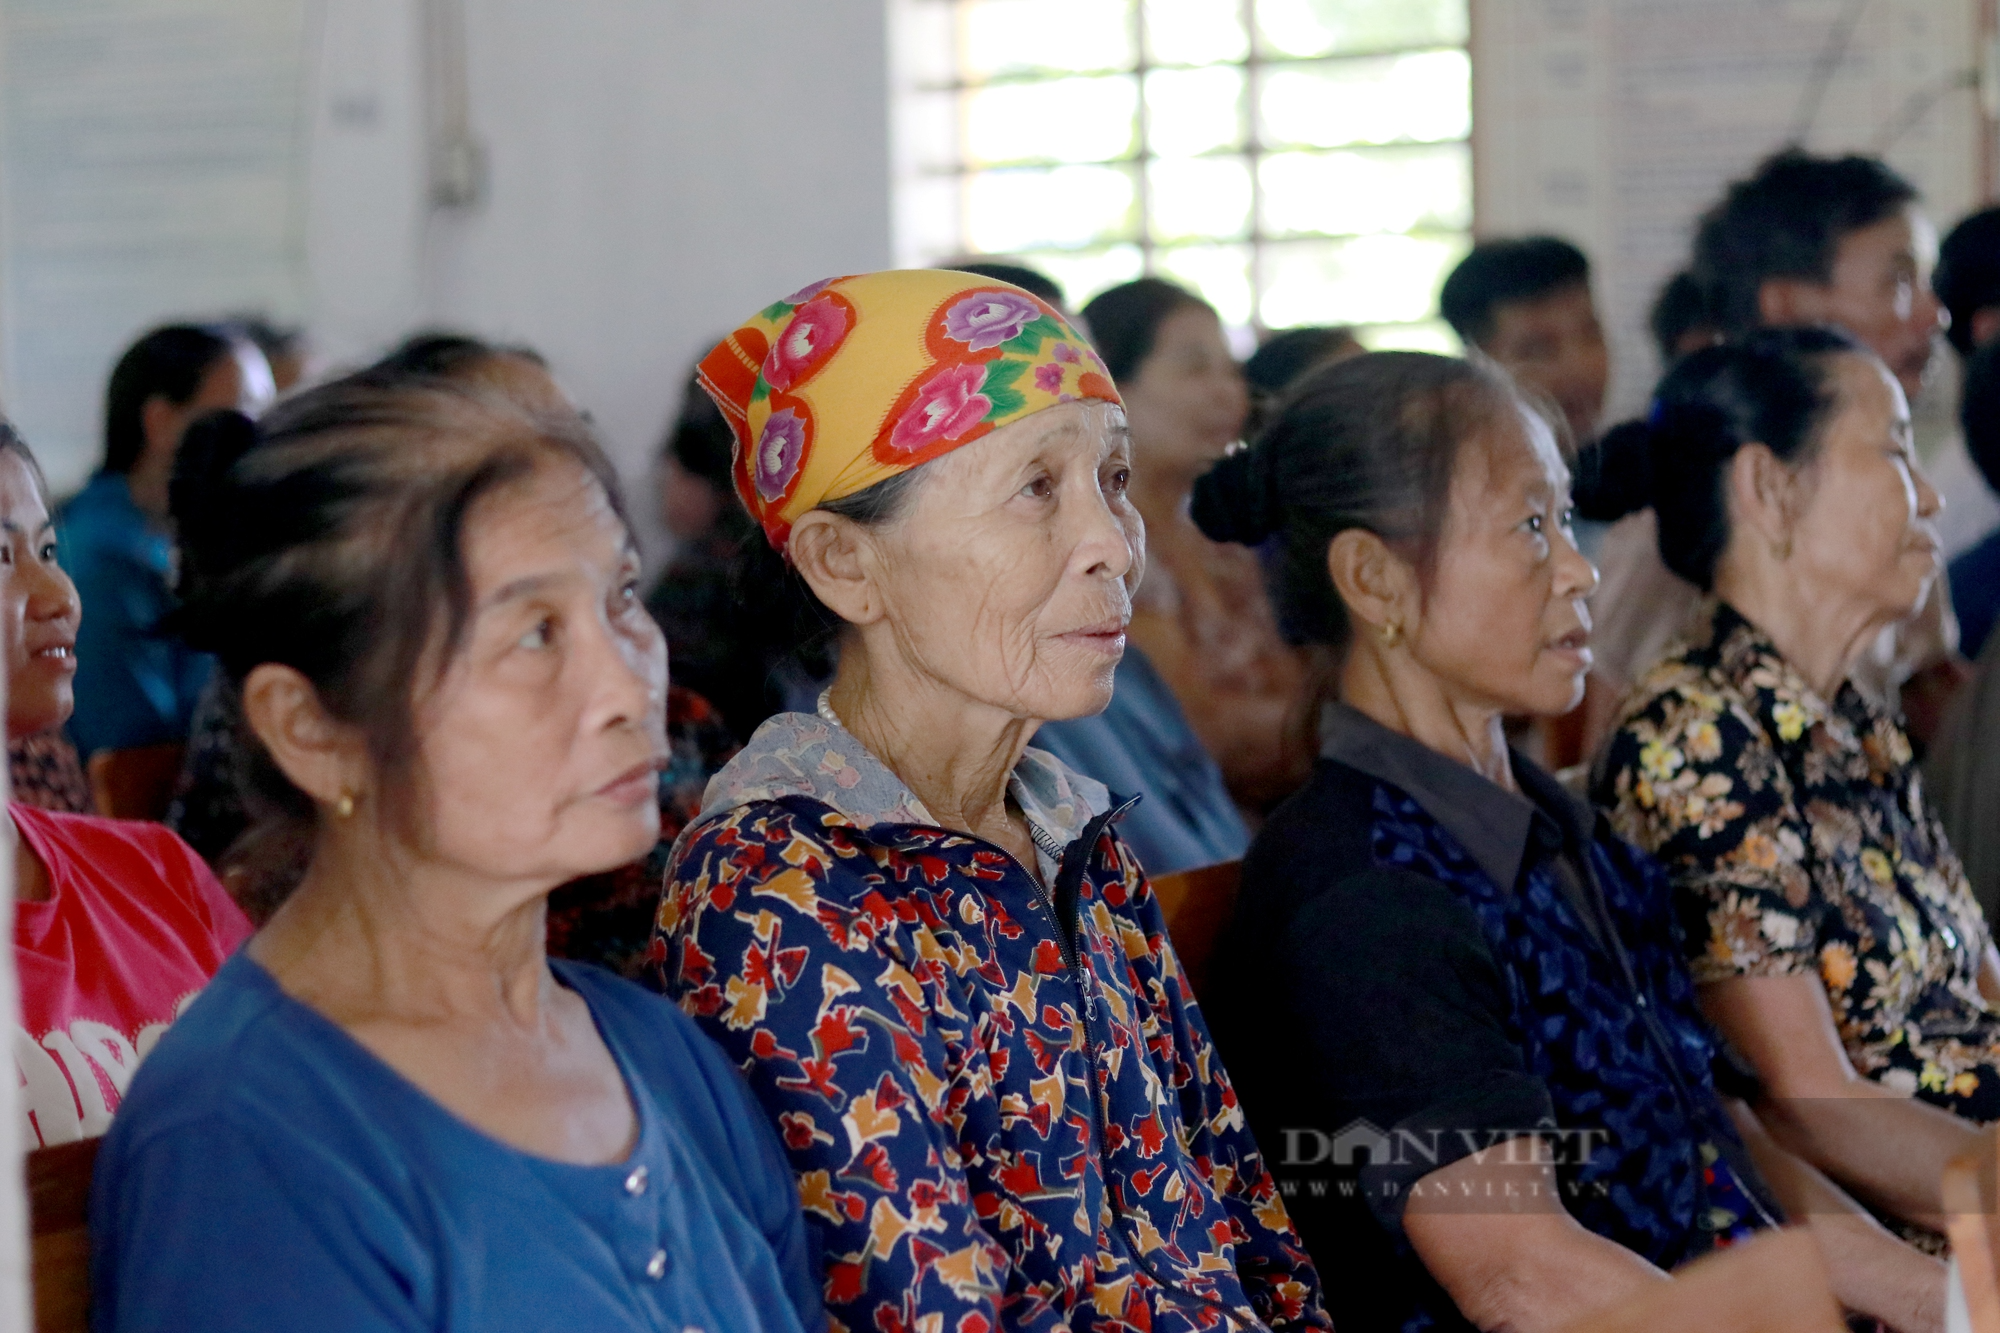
(1294, 161)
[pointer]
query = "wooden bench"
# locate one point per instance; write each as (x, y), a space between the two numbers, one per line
(59, 1233)
(1198, 904)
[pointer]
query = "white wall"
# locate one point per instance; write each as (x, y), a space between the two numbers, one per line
(1616, 122)
(657, 170)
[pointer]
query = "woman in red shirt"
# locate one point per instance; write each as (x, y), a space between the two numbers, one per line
(116, 923)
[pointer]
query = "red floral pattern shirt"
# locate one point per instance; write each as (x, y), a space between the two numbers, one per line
(996, 1122)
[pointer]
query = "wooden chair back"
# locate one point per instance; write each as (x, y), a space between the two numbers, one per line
(59, 1233)
(137, 783)
(1198, 904)
(1776, 1283)
(1972, 1206)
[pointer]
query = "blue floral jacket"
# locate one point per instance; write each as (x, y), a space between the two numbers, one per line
(1001, 1102)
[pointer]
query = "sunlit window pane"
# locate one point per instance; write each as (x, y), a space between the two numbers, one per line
(1202, 196)
(1328, 180)
(1191, 111)
(1422, 98)
(1397, 189)
(1220, 274)
(928, 126)
(1082, 274)
(1062, 120)
(1325, 27)
(1068, 206)
(1043, 36)
(1195, 32)
(1366, 280)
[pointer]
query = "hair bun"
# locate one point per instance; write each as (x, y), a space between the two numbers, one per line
(1614, 473)
(198, 491)
(1237, 499)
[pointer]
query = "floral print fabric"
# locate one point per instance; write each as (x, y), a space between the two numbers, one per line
(44, 772)
(856, 379)
(998, 1119)
(1799, 841)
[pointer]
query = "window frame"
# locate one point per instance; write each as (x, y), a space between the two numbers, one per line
(1255, 65)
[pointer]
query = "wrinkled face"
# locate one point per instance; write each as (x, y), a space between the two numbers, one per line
(540, 748)
(1187, 402)
(1863, 532)
(40, 606)
(1881, 293)
(1555, 344)
(1009, 578)
(1504, 624)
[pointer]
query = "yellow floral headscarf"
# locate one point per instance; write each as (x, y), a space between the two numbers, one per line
(853, 380)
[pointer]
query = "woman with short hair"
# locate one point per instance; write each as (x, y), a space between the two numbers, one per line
(946, 975)
(136, 686)
(1831, 929)
(391, 1109)
(1441, 956)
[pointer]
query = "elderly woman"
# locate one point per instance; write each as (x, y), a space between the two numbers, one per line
(1440, 956)
(1833, 934)
(390, 1109)
(946, 975)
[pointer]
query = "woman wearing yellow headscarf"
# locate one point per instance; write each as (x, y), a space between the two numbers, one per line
(945, 975)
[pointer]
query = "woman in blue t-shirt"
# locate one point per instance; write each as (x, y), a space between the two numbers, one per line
(391, 1110)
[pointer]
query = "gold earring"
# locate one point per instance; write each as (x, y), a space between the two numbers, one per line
(344, 807)
(1392, 633)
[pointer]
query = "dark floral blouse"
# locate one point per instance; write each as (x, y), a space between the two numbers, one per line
(45, 773)
(1799, 842)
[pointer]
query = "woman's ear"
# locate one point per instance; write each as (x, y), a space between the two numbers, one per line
(321, 757)
(1763, 496)
(827, 550)
(1378, 585)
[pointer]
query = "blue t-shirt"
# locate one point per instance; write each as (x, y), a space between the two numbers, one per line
(266, 1171)
(1142, 745)
(133, 686)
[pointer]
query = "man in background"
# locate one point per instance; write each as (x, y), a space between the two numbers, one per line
(1967, 283)
(1526, 304)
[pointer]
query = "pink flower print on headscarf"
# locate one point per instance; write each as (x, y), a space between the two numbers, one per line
(780, 450)
(1049, 377)
(987, 319)
(948, 405)
(1064, 352)
(815, 330)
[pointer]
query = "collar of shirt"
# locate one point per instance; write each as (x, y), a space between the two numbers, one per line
(1785, 703)
(1494, 825)
(814, 755)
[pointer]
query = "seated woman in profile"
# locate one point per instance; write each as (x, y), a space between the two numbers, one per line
(1831, 929)
(116, 924)
(1441, 956)
(947, 977)
(391, 1109)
